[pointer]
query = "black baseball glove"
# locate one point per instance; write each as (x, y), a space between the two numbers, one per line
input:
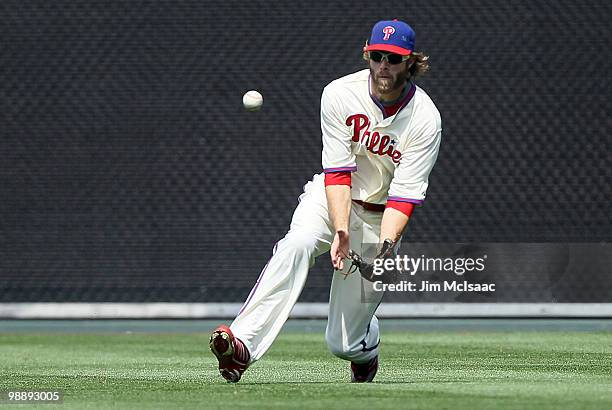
(366, 265)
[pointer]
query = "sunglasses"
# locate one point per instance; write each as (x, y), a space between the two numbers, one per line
(390, 58)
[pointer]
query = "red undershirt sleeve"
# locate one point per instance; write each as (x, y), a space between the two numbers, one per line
(404, 207)
(338, 178)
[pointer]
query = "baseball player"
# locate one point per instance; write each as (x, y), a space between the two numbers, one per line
(381, 134)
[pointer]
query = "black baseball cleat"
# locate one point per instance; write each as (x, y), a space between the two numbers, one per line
(364, 372)
(232, 354)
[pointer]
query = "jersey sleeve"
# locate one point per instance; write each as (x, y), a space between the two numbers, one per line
(337, 155)
(404, 207)
(411, 176)
(338, 178)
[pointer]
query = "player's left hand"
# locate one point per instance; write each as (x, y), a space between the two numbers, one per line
(339, 249)
(366, 266)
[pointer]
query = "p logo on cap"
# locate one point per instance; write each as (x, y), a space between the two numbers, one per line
(392, 36)
(388, 31)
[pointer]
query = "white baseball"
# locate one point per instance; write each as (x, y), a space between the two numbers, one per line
(252, 100)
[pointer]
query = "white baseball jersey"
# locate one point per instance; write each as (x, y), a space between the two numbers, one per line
(390, 158)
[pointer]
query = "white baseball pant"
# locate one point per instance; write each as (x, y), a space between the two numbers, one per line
(352, 328)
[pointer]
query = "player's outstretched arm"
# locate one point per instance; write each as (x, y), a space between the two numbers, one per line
(339, 208)
(393, 224)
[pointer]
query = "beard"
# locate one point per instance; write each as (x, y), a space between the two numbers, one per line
(388, 83)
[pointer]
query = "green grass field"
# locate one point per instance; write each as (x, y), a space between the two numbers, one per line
(420, 369)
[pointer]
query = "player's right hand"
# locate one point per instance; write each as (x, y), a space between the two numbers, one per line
(339, 249)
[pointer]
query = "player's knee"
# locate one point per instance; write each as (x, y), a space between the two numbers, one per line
(336, 347)
(336, 350)
(342, 353)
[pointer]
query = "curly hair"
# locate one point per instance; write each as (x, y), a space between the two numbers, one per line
(420, 64)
